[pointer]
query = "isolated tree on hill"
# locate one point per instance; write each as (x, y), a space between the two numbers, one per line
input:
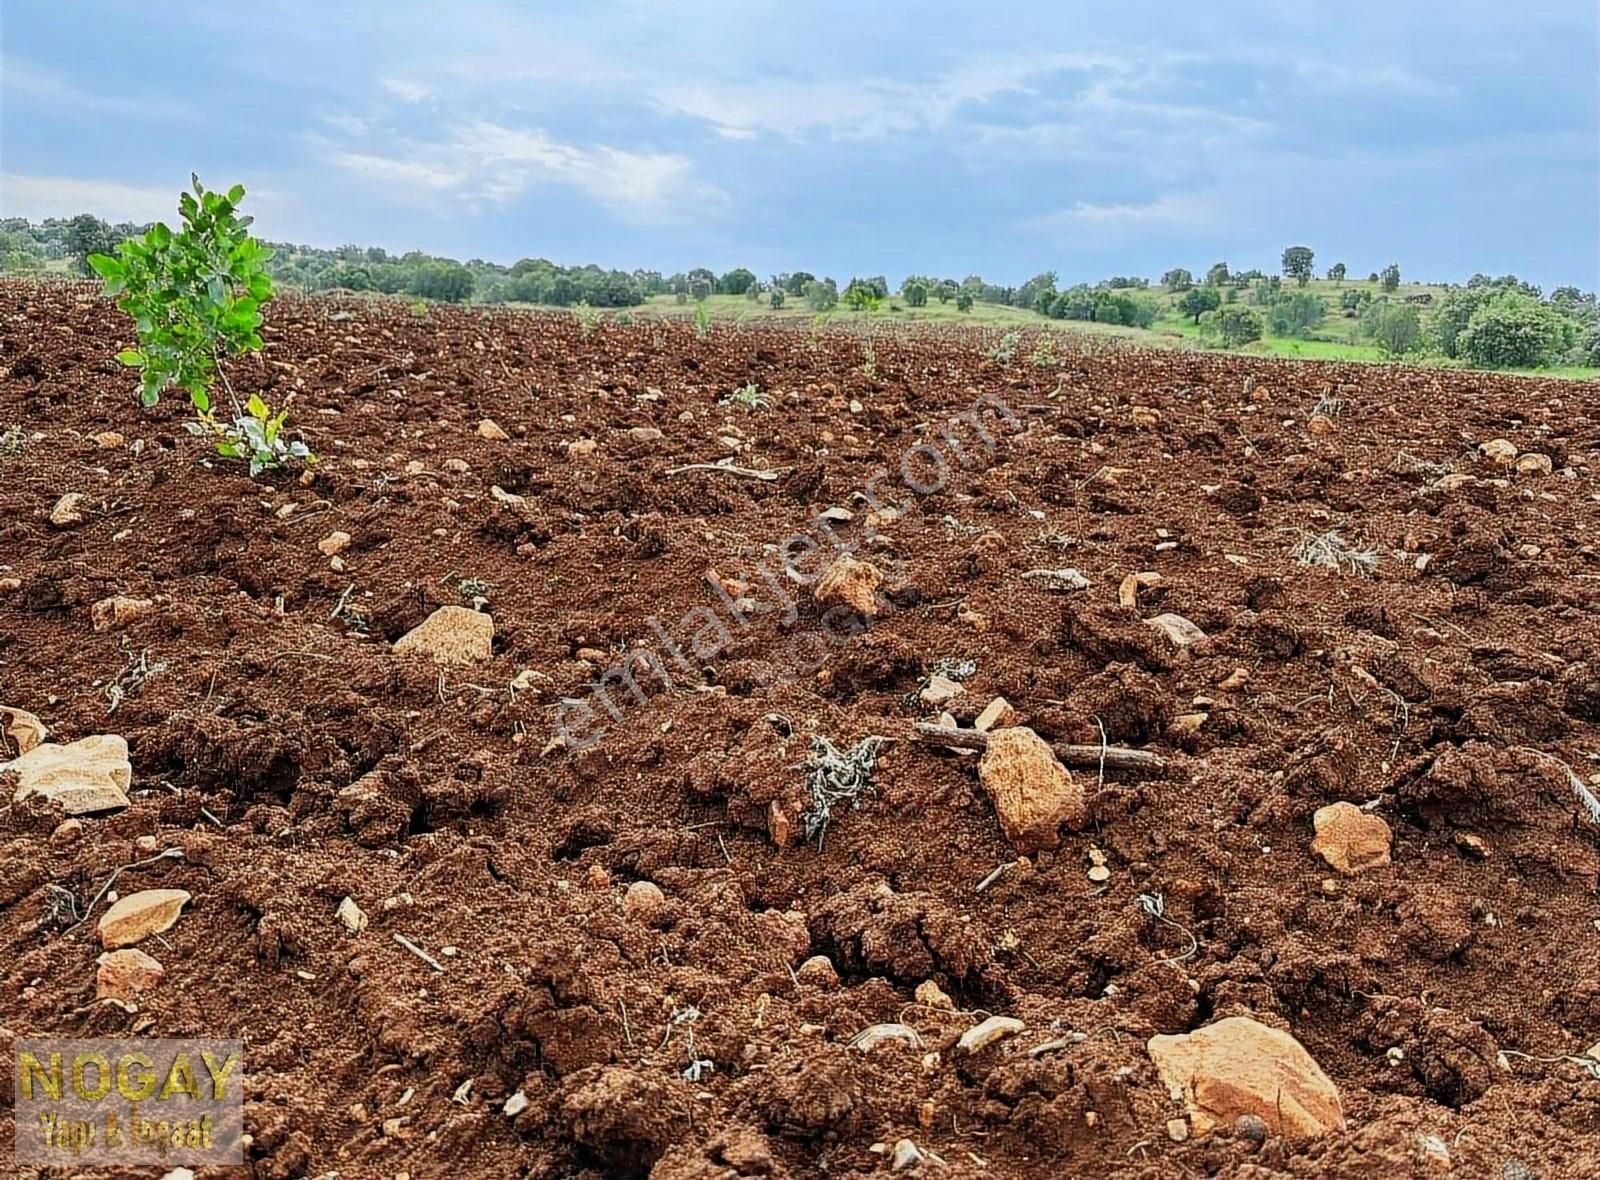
(1336, 272)
(86, 234)
(795, 283)
(916, 295)
(1177, 279)
(821, 295)
(1217, 275)
(1199, 300)
(1234, 325)
(775, 297)
(736, 282)
(946, 290)
(1396, 328)
(1391, 277)
(1511, 331)
(964, 299)
(1297, 262)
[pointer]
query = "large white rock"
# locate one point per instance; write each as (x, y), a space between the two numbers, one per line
(90, 774)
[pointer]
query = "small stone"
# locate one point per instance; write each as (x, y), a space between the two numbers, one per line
(818, 971)
(139, 915)
(457, 466)
(644, 902)
(582, 448)
(1177, 1130)
(116, 612)
(515, 1105)
(22, 729)
(1349, 839)
(941, 690)
(451, 635)
(931, 995)
(1472, 845)
(1187, 724)
(850, 583)
(1235, 680)
(1534, 463)
(1146, 415)
(645, 434)
(334, 543)
(871, 1037)
(69, 510)
(1068, 579)
(997, 714)
(1252, 1128)
(9, 585)
(68, 831)
(90, 774)
(510, 499)
(1128, 591)
(1499, 451)
(1239, 1066)
(490, 429)
(351, 915)
(1178, 629)
(779, 826)
(1032, 792)
(125, 973)
(1320, 425)
(108, 440)
(1099, 874)
(905, 1155)
(981, 1036)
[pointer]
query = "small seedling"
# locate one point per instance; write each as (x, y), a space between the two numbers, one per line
(833, 777)
(869, 356)
(472, 589)
(195, 298)
(1005, 351)
(702, 320)
(1330, 551)
(586, 318)
(750, 397)
(1044, 354)
(12, 442)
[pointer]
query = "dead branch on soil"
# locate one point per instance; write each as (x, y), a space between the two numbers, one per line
(1330, 551)
(419, 952)
(164, 854)
(1111, 757)
(834, 776)
(727, 469)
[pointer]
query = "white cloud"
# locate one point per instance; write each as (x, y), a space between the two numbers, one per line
(408, 89)
(486, 162)
(38, 197)
(865, 108)
(1167, 211)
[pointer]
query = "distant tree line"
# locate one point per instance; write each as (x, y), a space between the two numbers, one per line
(1501, 322)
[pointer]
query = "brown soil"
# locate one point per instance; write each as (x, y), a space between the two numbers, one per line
(335, 767)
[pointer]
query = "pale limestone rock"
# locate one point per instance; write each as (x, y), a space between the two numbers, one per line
(451, 635)
(1032, 792)
(139, 915)
(90, 774)
(1238, 1067)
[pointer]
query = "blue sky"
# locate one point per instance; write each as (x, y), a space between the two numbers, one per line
(862, 137)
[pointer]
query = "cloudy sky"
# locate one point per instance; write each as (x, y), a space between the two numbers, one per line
(859, 137)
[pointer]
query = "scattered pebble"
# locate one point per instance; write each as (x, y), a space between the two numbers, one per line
(69, 510)
(490, 429)
(1349, 839)
(451, 635)
(139, 915)
(995, 1028)
(334, 543)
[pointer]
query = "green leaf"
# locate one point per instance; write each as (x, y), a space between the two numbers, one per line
(200, 399)
(149, 397)
(131, 357)
(105, 266)
(236, 194)
(258, 409)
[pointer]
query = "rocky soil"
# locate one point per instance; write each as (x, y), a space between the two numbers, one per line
(1252, 834)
